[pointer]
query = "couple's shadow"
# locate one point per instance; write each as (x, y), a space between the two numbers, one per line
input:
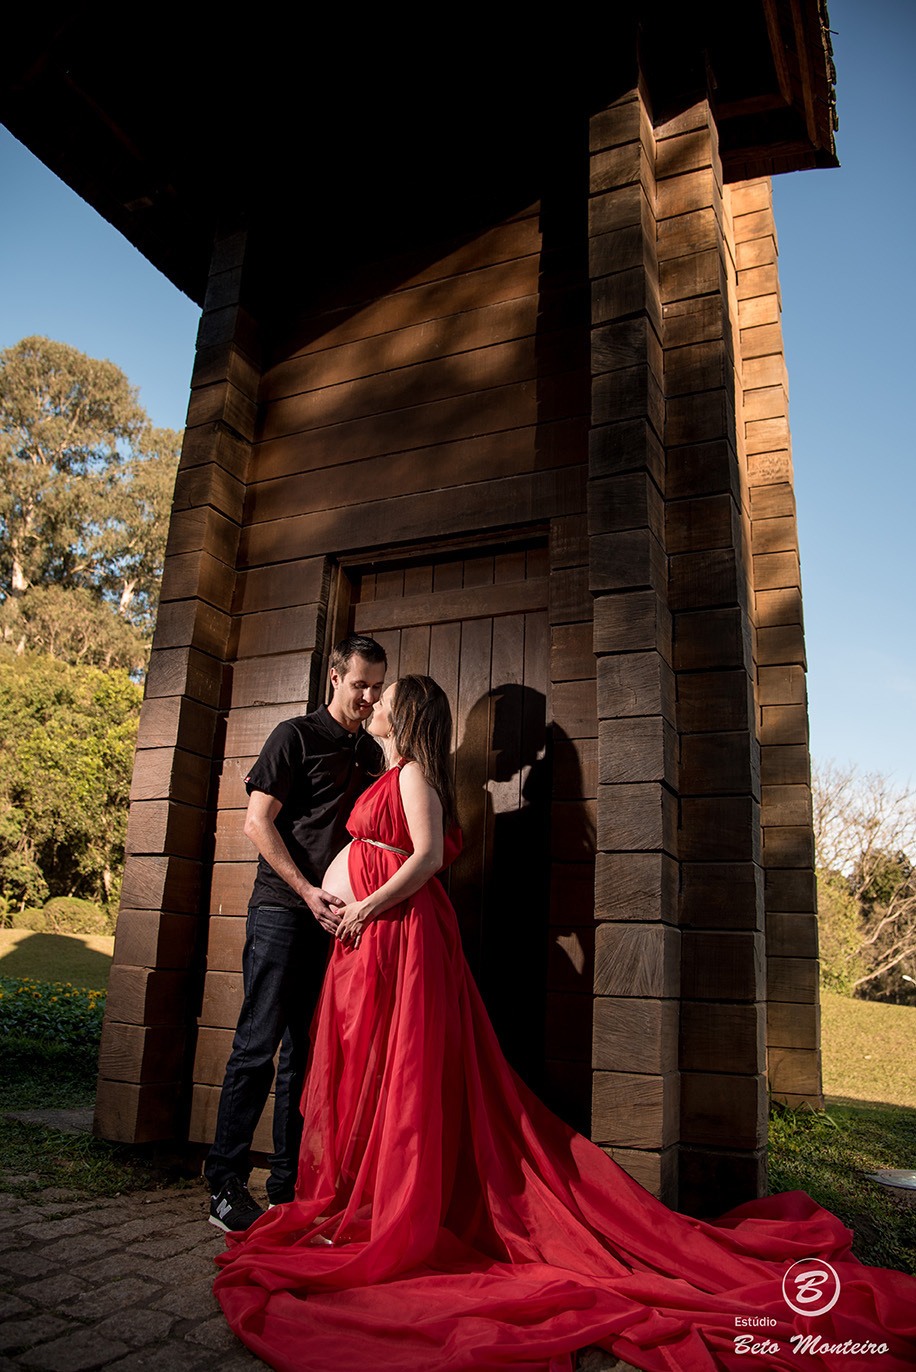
(500, 885)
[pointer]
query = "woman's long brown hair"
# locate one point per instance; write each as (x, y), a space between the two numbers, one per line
(421, 719)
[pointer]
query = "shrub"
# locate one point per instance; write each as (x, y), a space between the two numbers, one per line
(51, 1013)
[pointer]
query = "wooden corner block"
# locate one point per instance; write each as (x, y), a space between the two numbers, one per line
(767, 435)
(765, 340)
(171, 774)
(794, 1072)
(177, 721)
(637, 749)
(695, 190)
(702, 523)
(231, 886)
(791, 1025)
(636, 886)
(627, 501)
(204, 1107)
(654, 1169)
(211, 1055)
(621, 122)
(713, 763)
(126, 1112)
(716, 1179)
(703, 469)
(778, 607)
(223, 402)
(775, 500)
(793, 935)
(301, 582)
(788, 847)
(631, 245)
(226, 940)
(692, 274)
(630, 445)
(697, 367)
(780, 644)
(225, 360)
(222, 999)
(141, 1053)
(213, 443)
(210, 485)
(773, 571)
(791, 891)
(163, 826)
(700, 418)
(752, 253)
(185, 672)
(774, 535)
(724, 828)
(638, 960)
(681, 149)
(786, 765)
(617, 208)
(722, 965)
(786, 805)
(625, 293)
(698, 319)
(722, 895)
(625, 344)
(142, 995)
(708, 639)
(725, 1109)
(751, 197)
(162, 883)
(150, 938)
(626, 559)
(203, 530)
(781, 684)
(632, 1110)
(715, 702)
(722, 1038)
(631, 621)
(198, 575)
(759, 309)
(792, 979)
(633, 1035)
(571, 959)
(193, 623)
(697, 231)
(248, 729)
(631, 684)
(767, 369)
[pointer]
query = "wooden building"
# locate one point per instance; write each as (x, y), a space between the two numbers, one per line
(489, 366)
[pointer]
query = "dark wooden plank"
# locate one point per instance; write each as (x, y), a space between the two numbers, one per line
(722, 1105)
(572, 653)
(171, 774)
(715, 701)
(791, 935)
(295, 630)
(472, 602)
(636, 886)
(635, 1035)
(792, 979)
(716, 763)
(140, 1053)
(198, 575)
(162, 883)
(163, 826)
(142, 995)
(637, 750)
(708, 639)
(628, 501)
(722, 1038)
(151, 938)
(634, 1109)
(722, 965)
(626, 445)
(721, 895)
(574, 708)
(637, 817)
(301, 582)
(627, 621)
(724, 827)
(632, 684)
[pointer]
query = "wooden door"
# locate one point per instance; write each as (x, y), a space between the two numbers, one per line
(476, 621)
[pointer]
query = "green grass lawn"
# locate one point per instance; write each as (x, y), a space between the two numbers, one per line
(82, 959)
(869, 1051)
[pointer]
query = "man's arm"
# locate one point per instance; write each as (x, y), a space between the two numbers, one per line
(261, 829)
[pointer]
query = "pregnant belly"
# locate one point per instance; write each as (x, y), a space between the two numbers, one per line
(337, 877)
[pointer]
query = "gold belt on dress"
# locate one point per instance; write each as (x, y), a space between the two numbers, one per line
(389, 848)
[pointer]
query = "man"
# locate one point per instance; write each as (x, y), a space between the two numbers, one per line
(301, 790)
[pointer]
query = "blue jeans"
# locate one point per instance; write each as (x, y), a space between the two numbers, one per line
(283, 968)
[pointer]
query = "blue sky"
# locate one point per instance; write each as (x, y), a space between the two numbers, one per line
(848, 305)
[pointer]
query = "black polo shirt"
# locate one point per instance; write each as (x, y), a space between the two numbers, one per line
(317, 769)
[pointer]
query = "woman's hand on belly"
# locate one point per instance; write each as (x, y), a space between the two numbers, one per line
(337, 877)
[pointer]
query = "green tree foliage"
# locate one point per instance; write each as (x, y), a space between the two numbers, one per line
(67, 736)
(864, 830)
(85, 491)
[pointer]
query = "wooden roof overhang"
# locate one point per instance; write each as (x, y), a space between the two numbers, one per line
(173, 132)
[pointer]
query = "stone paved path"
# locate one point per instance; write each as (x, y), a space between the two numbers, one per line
(118, 1284)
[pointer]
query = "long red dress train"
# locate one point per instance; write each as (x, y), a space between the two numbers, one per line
(445, 1219)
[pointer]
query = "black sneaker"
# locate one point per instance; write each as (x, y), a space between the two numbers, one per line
(233, 1209)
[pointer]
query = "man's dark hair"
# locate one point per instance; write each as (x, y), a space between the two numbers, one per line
(356, 645)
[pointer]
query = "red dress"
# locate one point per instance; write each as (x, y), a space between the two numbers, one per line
(445, 1219)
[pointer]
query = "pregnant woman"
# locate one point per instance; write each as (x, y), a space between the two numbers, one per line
(445, 1219)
